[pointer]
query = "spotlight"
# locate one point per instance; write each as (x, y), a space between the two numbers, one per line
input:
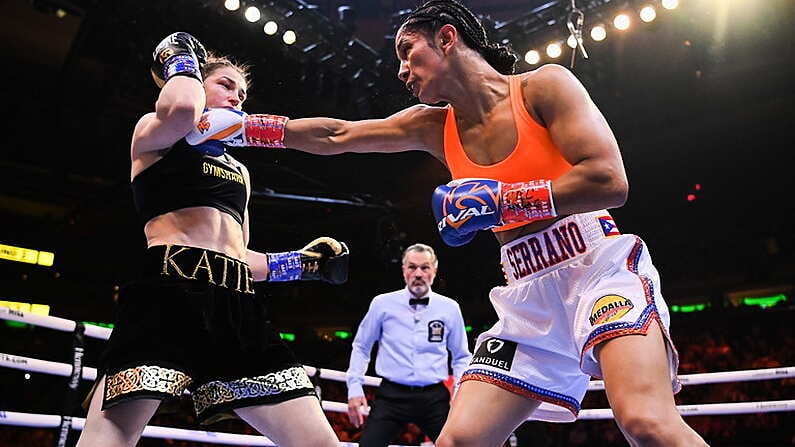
(670, 4)
(598, 33)
(532, 57)
(289, 37)
(621, 22)
(232, 5)
(270, 27)
(571, 42)
(647, 14)
(252, 14)
(310, 47)
(553, 50)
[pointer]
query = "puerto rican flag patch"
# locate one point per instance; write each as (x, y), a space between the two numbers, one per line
(609, 227)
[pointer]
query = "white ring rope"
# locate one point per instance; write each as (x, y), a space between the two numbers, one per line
(151, 431)
(103, 333)
(88, 373)
(63, 369)
(65, 325)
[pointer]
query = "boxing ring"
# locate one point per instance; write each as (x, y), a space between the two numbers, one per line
(76, 371)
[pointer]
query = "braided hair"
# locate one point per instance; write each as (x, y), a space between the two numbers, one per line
(433, 14)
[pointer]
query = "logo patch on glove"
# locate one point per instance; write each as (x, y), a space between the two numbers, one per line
(463, 202)
(204, 124)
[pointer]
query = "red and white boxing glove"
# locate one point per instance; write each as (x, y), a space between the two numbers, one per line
(229, 127)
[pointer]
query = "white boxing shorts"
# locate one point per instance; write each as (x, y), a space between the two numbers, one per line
(570, 287)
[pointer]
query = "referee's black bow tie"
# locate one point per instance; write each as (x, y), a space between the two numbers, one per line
(413, 301)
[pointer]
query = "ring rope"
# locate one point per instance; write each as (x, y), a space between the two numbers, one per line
(103, 333)
(65, 325)
(12, 418)
(32, 420)
(88, 373)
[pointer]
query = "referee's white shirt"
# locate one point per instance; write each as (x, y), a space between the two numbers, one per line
(413, 341)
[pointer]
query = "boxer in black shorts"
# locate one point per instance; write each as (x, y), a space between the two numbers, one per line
(191, 321)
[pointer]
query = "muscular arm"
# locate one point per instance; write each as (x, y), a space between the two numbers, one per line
(597, 178)
(415, 128)
(178, 107)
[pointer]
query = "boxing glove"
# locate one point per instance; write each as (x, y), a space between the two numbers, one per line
(324, 259)
(178, 54)
(220, 127)
(464, 206)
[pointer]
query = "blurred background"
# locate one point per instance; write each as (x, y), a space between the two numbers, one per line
(699, 94)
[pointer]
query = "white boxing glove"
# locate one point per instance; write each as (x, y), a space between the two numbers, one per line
(229, 127)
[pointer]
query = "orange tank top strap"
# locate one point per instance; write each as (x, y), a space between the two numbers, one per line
(535, 156)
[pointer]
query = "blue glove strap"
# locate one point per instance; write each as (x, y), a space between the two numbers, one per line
(284, 266)
(181, 64)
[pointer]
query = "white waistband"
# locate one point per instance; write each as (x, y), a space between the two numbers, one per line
(567, 239)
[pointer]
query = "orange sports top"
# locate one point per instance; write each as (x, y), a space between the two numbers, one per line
(534, 157)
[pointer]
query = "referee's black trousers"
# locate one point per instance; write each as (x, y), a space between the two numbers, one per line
(395, 405)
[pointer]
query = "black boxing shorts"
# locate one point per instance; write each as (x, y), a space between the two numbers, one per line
(192, 322)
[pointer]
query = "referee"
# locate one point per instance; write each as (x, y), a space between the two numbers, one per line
(415, 328)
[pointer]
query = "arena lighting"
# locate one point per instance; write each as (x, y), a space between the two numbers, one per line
(342, 334)
(546, 17)
(532, 57)
(287, 336)
(270, 27)
(289, 37)
(688, 308)
(252, 14)
(232, 5)
(26, 255)
(764, 301)
(598, 33)
(621, 22)
(310, 47)
(100, 324)
(38, 309)
(571, 42)
(647, 14)
(554, 50)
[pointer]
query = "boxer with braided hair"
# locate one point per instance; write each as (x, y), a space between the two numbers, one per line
(433, 14)
(534, 162)
(191, 321)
